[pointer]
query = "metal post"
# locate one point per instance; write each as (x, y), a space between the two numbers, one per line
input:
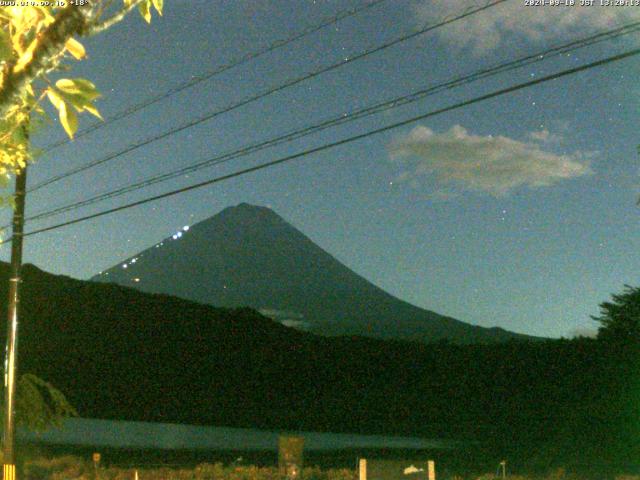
(11, 358)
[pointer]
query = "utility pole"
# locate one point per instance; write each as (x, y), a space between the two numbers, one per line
(11, 358)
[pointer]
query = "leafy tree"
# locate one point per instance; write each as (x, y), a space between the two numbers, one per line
(620, 318)
(36, 41)
(39, 404)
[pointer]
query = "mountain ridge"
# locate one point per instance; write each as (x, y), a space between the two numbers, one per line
(249, 255)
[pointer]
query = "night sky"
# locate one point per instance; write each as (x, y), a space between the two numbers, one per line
(518, 212)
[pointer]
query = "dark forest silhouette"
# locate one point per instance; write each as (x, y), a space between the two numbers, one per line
(123, 354)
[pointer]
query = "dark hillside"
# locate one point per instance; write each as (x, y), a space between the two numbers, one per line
(120, 353)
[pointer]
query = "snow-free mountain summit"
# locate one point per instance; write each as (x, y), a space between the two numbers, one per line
(249, 256)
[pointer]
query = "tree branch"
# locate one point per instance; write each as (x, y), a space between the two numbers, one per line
(111, 21)
(51, 42)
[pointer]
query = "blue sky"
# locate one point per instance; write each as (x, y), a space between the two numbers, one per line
(517, 212)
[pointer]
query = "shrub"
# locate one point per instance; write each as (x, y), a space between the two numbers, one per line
(74, 468)
(67, 467)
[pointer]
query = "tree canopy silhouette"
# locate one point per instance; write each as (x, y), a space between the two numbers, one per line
(620, 318)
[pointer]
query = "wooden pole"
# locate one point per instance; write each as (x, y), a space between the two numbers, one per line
(11, 359)
(362, 469)
(431, 466)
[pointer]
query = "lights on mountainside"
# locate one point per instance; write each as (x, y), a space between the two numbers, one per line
(130, 262)
(126, 265)
(136, 280)
(178, 234)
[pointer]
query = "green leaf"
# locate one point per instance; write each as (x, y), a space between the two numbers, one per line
(93, 111)
(76, 49)
(19, 135)
(78, 86)
(6, 50)
(26, 57)
(76, 101)
(68, 118)
(158, 4)
(54, 98)
(78, 93)
(145, 11)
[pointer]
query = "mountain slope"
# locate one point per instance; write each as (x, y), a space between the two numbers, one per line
(250, 256)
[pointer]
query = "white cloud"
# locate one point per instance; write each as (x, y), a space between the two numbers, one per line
(287, 318)
(488, 30)
(490, 164)
(297, 324)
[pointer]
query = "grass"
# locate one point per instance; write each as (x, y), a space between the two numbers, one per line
(75, 468)
(70, 467)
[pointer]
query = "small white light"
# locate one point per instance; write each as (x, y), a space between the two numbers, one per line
(179, 234)
(136, 280)
(134, 260)
(185, 228)
(124, 265)
(175, 236)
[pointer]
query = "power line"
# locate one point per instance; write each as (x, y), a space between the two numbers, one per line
(251, 99)
(283, 42)
(341, 119)
(344, 141)
(630, 28)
